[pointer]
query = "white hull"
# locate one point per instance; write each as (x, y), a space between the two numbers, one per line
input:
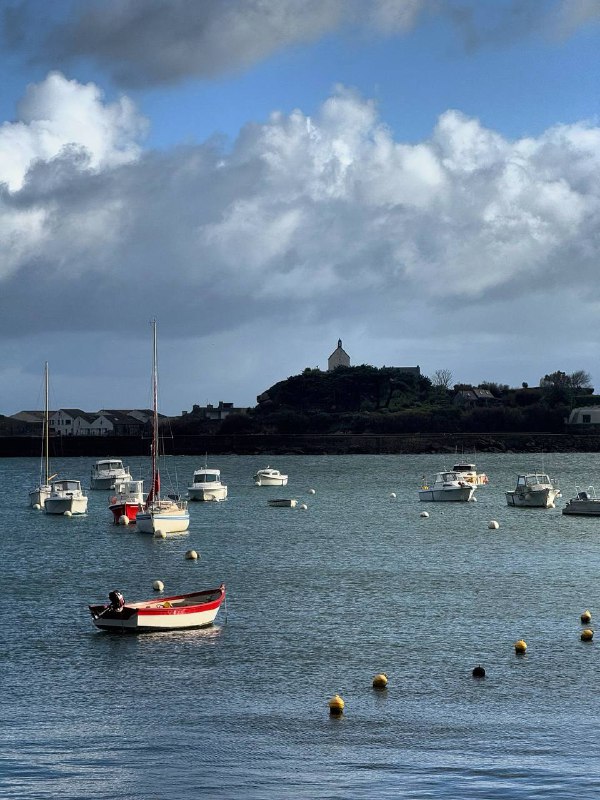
(166, 518)
(59, 505)
(39, 496)
(542, 498)
(262, 481)
(146, 622)
(462, 494)
(207, 493)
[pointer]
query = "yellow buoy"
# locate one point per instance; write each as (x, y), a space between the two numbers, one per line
(158, 586)
(587, 634)
(586, 617)
(520, 646)
(336, 705)
(380, 681)
(191, 554)
(124, 519)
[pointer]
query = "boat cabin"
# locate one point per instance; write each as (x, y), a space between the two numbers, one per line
(66, 486)
(207, 476)
(532, 480)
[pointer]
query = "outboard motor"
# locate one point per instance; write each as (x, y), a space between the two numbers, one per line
(583, 496)
(117, 601)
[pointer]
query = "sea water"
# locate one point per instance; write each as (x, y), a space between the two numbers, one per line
(319, 600)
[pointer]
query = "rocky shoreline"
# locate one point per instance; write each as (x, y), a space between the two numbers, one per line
(307, 444)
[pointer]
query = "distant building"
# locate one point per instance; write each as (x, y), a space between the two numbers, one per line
(219, 412)
(474, 398)
(584, 417)
(339, 358)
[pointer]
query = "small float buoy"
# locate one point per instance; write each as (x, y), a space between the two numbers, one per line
(303, 507)
(158, 586)
(586, 617)
(311, 491)
(37, 506)
(424, 514)
(380, 681)
(191, 554)
(520, 646)
(336, 705)
(160, 535)
(587, 634)
(123, 519)
(393, 495)
(493, 525)
(68, 514)
(478, 671)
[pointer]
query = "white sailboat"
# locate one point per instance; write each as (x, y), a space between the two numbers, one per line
(39, 495)
(160, 515)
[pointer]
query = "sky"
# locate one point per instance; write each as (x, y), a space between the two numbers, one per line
(419, 178)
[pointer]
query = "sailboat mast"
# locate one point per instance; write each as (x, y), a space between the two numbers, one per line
(46, 427)
(155, 479)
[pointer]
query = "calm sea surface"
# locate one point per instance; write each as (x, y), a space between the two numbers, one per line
(318, 602)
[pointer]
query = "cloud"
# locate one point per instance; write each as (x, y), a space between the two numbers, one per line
(300, 218)
(143, 43)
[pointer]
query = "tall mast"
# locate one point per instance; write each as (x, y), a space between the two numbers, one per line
(46, 428)
(155, 411)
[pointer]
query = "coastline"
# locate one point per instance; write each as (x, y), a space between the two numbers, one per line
(307, 444)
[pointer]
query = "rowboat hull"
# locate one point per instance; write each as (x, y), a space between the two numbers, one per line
(179, 612)
(129, 510)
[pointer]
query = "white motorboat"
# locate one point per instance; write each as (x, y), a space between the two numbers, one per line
(533, 490)
(283, 502)
(468, 472)
(206, 485)
(584, 504)
(161, 514)
(270, 477)
(66, 497)
(447, 488)
(106, 472)
(39, 495)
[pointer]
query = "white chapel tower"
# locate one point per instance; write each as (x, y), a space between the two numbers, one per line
(339, 358)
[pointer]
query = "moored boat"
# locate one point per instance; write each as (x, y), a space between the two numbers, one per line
(207, 485)
(283, 502)
(584, 504)
(39, 495)
(127, 501)
(66, 497)
(468, 472)
(533, 490)
(447, 488)
(270, 477)
(161, 514)
(106, 472)
(177, 612)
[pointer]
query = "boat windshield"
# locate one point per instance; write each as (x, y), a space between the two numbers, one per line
(532, 480)
(65, 486)
(464, 467)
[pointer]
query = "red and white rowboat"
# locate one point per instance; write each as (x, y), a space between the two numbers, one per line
(193, 610)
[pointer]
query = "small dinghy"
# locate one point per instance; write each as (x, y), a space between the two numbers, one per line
(282, 503)
(193, 610)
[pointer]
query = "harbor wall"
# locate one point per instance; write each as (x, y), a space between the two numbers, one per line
(304, 444)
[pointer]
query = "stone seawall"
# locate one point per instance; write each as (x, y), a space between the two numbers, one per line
(279, 444)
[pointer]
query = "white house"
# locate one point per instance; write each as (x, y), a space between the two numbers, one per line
(586, 415)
